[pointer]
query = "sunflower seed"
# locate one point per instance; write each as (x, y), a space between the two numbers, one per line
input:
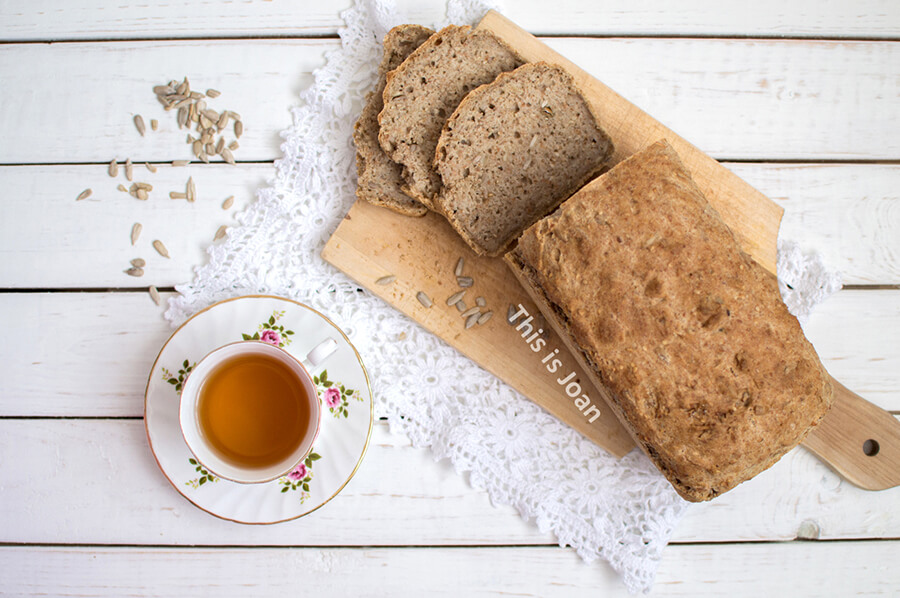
(465, 281)
(134, 271)
(461, 306)
(234, 115)
(136, 232)
(424, 299)
(139, 123)
(480, 302)
(145, 186)
(160, 248)
(456, 297)
(220, 145)
(204, 158)
(163, 90)
(182, 117)
(84, 194)
(212, 115)
(113, 169)
(229, 201)
(141, 194)
(527, 164)
(238, 127)
(384, 280)
(154, 124)
(220, 233)
(210, 149)
(196, 95)
(533, 141)
(485, 317)
(205, 122)
(234, 145)
(473, 319)
(122, 187)
(189, 139)
(138, 262)
(470, 311)
(154, 294)
(180, 162)
(192, 113)
(150, 166)
(222, 122)
(184, 87)
(191, 190)
(511, 314)
(228, 156)
(177, 195)
(460, 263)
(213, 93)
(129, 169)
(197, 147)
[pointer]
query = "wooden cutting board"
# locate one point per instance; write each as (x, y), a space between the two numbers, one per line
(422, 253)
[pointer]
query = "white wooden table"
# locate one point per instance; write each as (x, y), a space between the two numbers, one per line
(800, 98)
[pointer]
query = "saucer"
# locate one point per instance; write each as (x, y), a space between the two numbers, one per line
(344, 391)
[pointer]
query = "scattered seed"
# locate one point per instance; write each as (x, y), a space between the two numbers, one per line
(470, 311)
(154, 124)
(229, 157)
(234, 115)
(460, 263)
(533, 141)
(456, 297)
(234, 145)
(197, 147)
(220, 233)
(129, 169)
(204, 158)
(122, 187)
(401, 336)
(220, 145)
(154, 294)
(480, 302)
(182, 117)
(511, 314)
(180, 162)
(139, 123)
(84, 194)
(191, 191)
(145, 186)
(160, 248)
(527, 164)
(213, 93)
(136, 232)
(150, 166)
(222, 122)
(163, 90)
(473, 319)
(184, 87)
(210, 149)
(465, 281)
(196, 95)
(485, 317)
(177, 195)
(229, 201)
(424, 299)
(238, 127)
(141, 194)
(113, 169)
(461, 306)
(384, 280)
(134, 271)
(138, 262)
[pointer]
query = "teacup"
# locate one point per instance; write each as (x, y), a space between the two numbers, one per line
(250, 411)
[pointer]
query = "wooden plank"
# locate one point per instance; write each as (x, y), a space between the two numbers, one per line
(740, 99)
(128, 19)
(95, 482)
(846, 212)
(88, 354)
(792, 569)
(49, 239)
(373, 242)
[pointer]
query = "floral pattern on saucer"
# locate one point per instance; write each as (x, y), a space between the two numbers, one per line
(338, 449)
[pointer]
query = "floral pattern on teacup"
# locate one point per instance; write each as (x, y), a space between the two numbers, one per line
(269, 332)
(334, 395)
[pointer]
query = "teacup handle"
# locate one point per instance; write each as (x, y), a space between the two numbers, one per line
(320, 353)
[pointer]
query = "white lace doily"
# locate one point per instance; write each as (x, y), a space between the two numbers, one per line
(620, 510)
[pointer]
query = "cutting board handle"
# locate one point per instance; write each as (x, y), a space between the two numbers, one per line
(859, 440)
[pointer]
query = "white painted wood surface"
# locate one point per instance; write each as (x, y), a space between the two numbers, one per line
(85, 511)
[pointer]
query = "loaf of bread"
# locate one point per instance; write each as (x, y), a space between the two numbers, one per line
(512, 151)
(422, 93)
(681, 330)
(379, 179)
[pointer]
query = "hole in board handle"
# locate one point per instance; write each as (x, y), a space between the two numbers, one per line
(870, 447)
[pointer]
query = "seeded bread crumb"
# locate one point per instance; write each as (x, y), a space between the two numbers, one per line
(379, 179)
(424, 90)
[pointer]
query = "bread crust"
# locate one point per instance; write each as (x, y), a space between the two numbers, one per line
(687, 335)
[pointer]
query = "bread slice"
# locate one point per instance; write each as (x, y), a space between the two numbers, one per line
(423, 92)
(513, 150)
(684, 332)
(379, 179)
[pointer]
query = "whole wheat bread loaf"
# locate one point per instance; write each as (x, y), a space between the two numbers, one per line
(513, 150)
(424, 90)
(379, 179)
(686, 334)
